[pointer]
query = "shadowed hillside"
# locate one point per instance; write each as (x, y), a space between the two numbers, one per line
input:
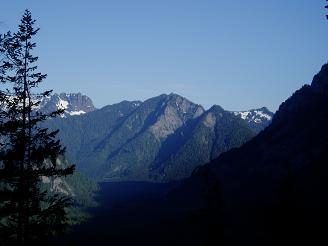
(273, 188)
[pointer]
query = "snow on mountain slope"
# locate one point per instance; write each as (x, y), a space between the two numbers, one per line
(257, 119)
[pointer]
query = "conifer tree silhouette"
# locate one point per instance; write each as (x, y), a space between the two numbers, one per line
(28, 152)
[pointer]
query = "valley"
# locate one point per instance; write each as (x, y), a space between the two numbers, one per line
(183, 123)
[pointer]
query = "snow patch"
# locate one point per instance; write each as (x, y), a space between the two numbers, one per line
(62, 104)
(242, 115)
(255, 116)
(263, 115)
(76, 112)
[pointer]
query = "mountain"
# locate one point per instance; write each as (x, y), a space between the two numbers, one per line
(73, 104)
(82, 134)
(77, 186)
(129, 152)
(257, 119)
(204, 139)
(161, 139)
(273, 189)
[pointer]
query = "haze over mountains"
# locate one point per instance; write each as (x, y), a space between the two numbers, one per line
(161, 139)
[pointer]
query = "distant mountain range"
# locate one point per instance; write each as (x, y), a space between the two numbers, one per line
(161, 139)
(273, 189)
(78, 104)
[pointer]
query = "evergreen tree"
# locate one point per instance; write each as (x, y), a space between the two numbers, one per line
(28, 152)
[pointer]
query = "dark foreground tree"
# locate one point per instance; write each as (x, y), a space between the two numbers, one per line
(28, 152)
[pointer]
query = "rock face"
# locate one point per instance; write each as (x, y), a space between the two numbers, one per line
(76, 186)
(73, 104)
(161, 139)
(174, 112)
(274, 187)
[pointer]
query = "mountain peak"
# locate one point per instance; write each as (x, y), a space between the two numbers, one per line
(264, 109)
(257, 119)
(217, 108)
(72, 103)
(174, 96)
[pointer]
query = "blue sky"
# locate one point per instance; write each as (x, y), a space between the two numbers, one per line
(238, 54)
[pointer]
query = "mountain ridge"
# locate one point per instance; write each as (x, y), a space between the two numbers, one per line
(78, 104)
(136, 140)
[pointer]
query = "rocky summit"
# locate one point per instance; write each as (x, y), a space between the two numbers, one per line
(73, 104)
